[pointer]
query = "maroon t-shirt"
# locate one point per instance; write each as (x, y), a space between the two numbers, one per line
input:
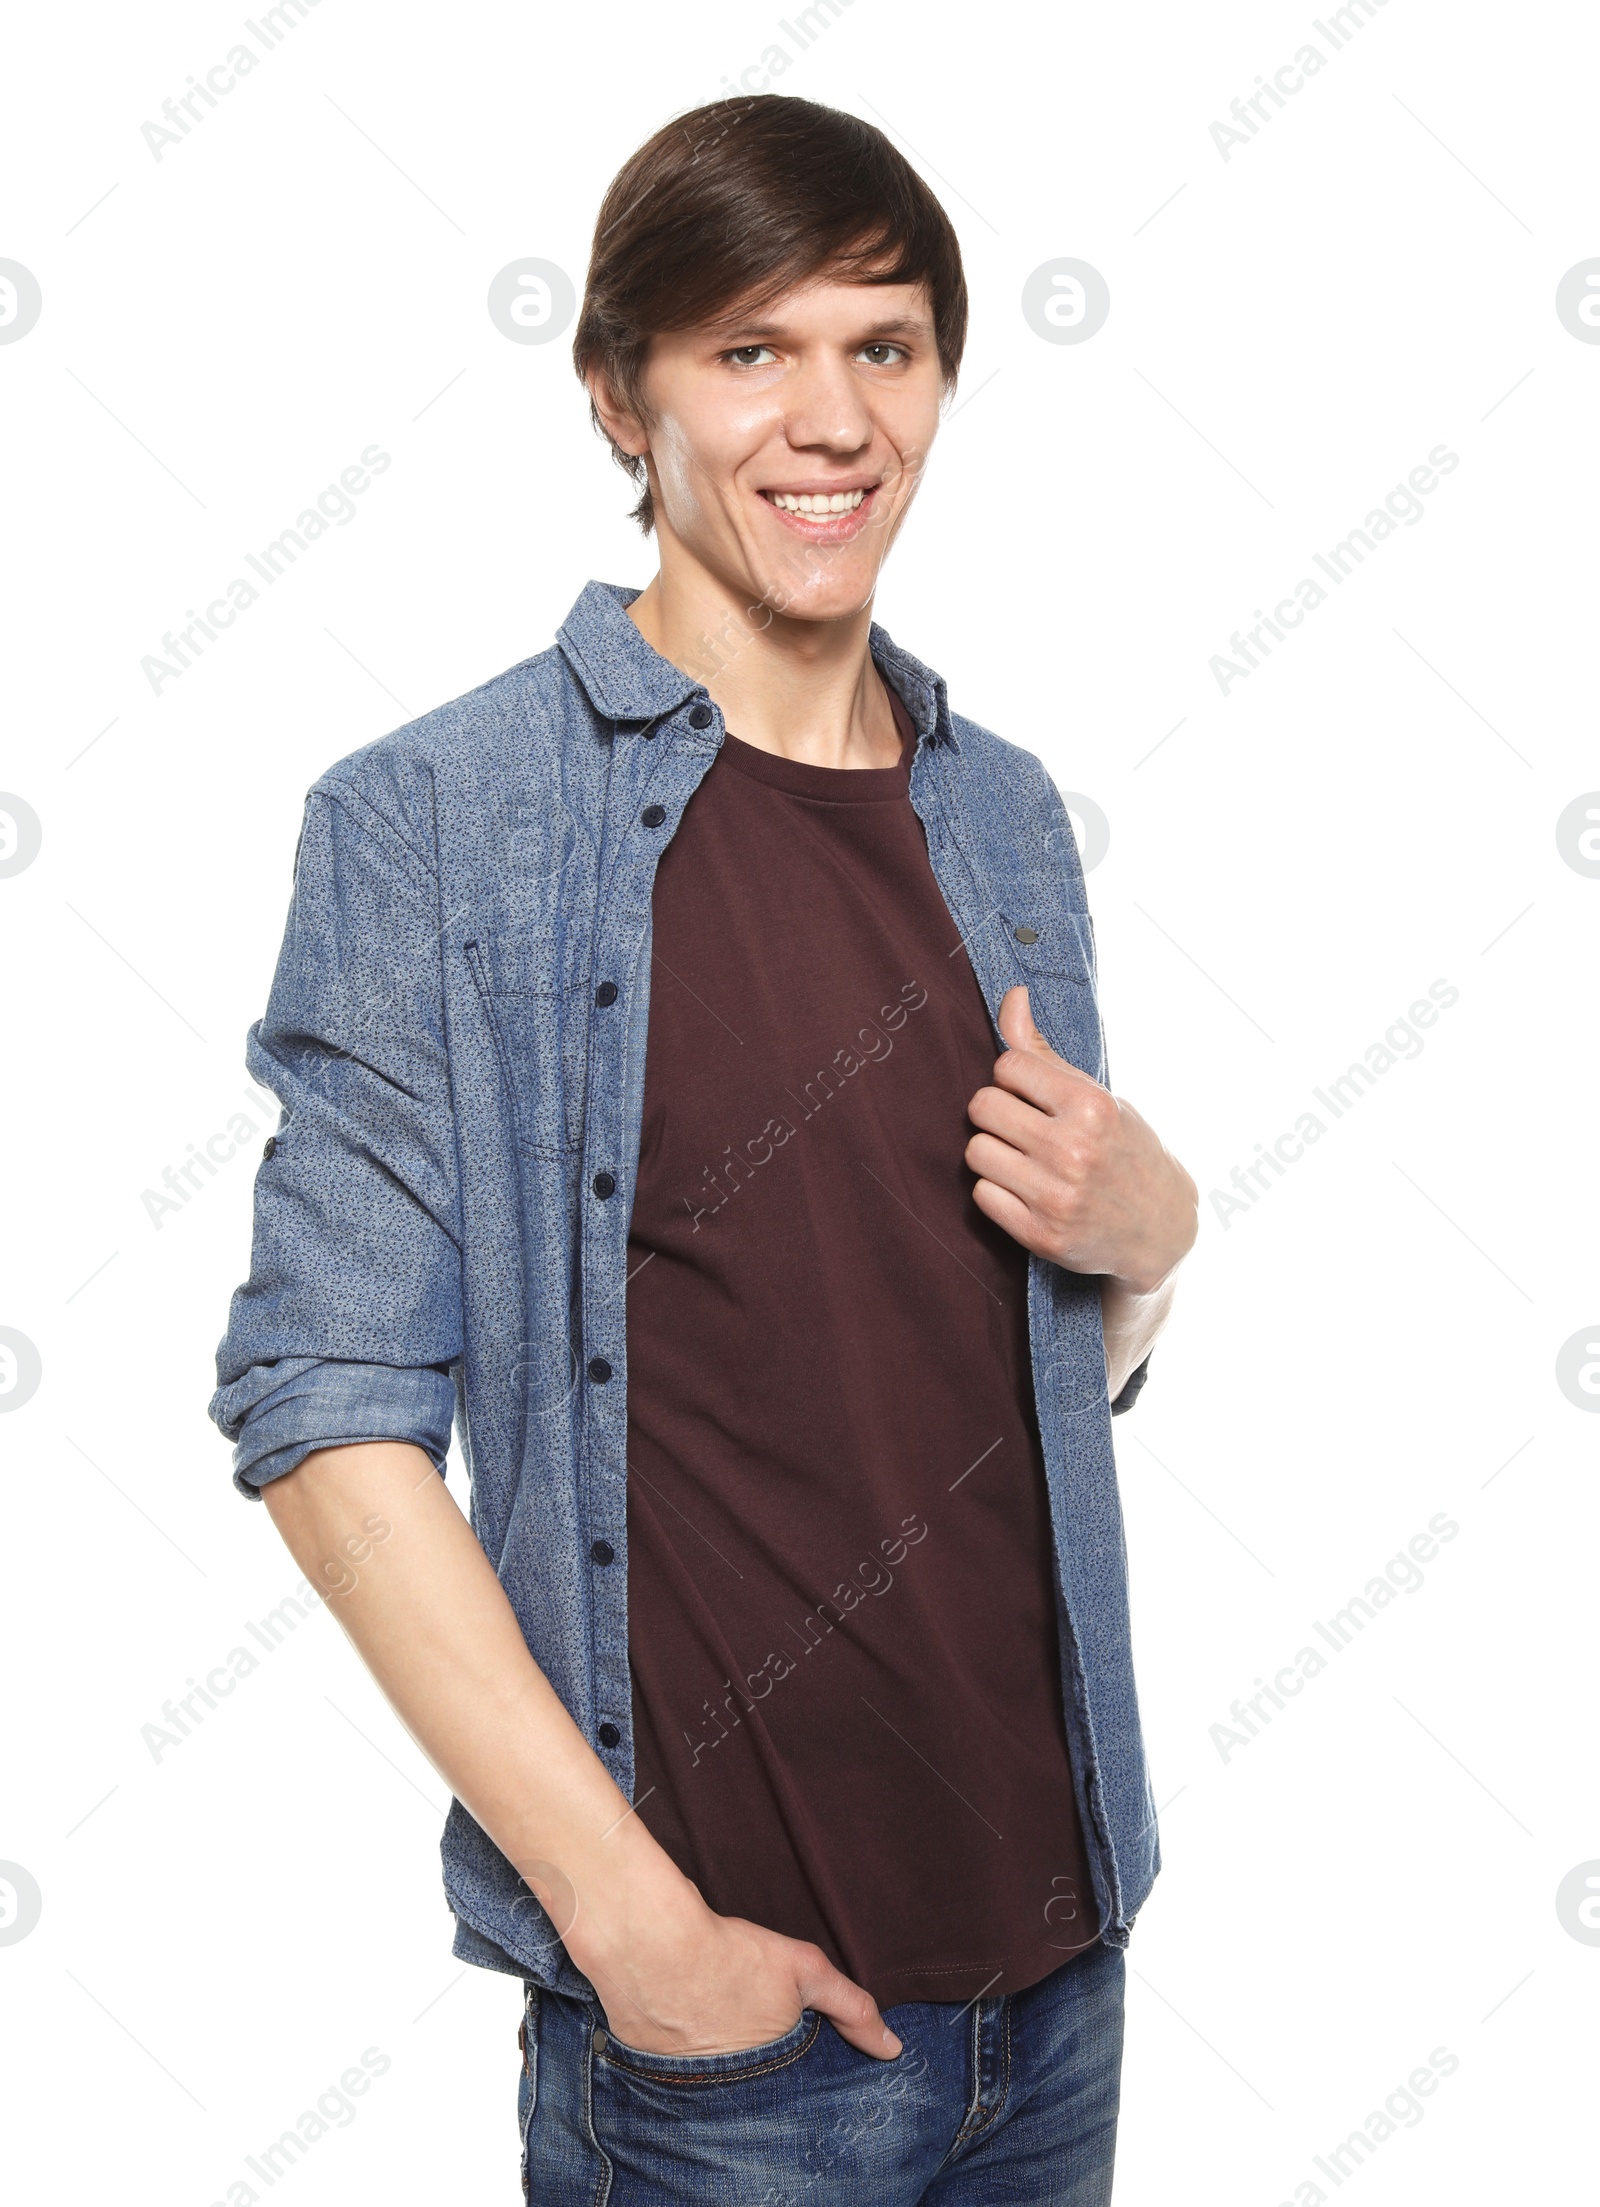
(841, 1609)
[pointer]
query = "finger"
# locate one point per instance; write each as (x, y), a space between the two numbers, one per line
(1010, 1168)
(1009, 1211)
(1010, 1117)
(851, 2010)
(1018, 1029)
(1051, 1083)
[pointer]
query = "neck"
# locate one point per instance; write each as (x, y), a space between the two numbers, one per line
(804, 690)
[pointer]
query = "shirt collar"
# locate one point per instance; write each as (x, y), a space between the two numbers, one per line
(626, 679)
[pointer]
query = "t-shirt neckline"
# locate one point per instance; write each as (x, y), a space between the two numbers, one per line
(831, 784)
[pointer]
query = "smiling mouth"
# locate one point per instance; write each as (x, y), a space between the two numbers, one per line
(829, 515)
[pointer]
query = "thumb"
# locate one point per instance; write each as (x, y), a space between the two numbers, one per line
(1017, 1029)
(851, 2010)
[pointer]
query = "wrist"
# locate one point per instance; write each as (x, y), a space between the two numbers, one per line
(1165, 1244)
(1129, 1290)
(622, 1901)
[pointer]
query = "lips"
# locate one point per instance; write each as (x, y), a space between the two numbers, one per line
(832, 526)
(819, 502)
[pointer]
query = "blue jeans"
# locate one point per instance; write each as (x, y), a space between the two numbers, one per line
(1006, 2102)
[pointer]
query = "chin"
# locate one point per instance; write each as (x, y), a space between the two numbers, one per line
(809, 596)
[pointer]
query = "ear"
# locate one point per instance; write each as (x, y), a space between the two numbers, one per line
(620, 423)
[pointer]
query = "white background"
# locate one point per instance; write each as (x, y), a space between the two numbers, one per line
(1291, 865)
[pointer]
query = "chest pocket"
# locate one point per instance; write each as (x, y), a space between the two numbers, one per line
(540, 1032)
(1054, 944)
(1053, 953)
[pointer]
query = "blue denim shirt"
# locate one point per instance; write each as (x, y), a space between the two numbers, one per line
(456, 1033)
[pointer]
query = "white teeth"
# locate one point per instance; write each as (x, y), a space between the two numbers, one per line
(819, 502)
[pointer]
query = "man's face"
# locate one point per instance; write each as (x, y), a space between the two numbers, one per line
(828, 398)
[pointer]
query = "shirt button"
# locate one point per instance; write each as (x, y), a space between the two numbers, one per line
(609, 1736)
(599, 1370)
(1026, 934)
(606, 993)
(271, 1149)
(603, 1552)
(653, 815)
(604, 1184)
(700, 716)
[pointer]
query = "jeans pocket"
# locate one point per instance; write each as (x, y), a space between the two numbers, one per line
(704, 2069)
(804, 2117)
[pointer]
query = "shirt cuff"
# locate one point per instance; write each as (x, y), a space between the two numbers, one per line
(276, 1414)
(1130, 1389)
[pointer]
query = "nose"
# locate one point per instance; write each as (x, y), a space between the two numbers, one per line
(826, 408)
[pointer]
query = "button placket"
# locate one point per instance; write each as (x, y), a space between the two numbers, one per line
(616, 1067)
(607, 1257)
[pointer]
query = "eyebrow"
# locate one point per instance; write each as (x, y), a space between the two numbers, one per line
(899, 325)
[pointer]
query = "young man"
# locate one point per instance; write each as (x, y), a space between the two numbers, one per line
(635, 1030)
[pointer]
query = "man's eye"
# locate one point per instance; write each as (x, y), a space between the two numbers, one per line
(878, 354)
(742, 355)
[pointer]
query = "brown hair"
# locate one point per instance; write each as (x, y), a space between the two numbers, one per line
(738, 202)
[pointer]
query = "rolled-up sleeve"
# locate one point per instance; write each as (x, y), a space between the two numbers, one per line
(1131, 1388)
(349, 1325)
(278, 1413)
